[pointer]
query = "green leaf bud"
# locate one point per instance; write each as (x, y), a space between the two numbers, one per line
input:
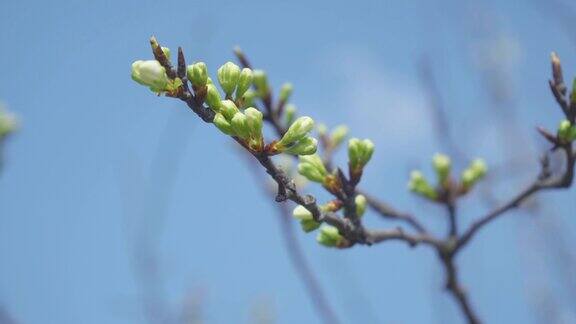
(361, 204)
(338, 135)
(223, 124)
(213, 98)
(442, 165)
(359, 152)
(312, 168)
(166, 52)
(297, 131)
(198, 74)
(228, 109)
(306, 146)
(244, 82)
(228, 75)
(285, 92)
(261, 83)
(329, 236)
(420, 185)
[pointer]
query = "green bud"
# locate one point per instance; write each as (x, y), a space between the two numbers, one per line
(565, 130)
(306, 146)
(244, 82)
(309, 225)
(8, 123)
(312, 168)
(290, 113)
(213, 98)
(254, 122)
(476, 171)
(338, 135)
(442, 165)
(248, 98)
(573, 94)
(223, 125)
(329, 236)
(297, 131)
(151, 74)
(261, 83)
(240, 125)
(420, 185)
(228, 75)
(228, 109)
(285, 92)
(359, 152)
(198, 74)
(301, 213)
(361, 204)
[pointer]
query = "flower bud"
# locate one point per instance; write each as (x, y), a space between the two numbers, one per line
(228, 75)
(244, 82)
(8, 123)
(223, 125)
(228, 109)
(338, 135)
(420, 185)
(359, 152)
(254, 122)
(309, 225)
(198, 74)
(306, 146)
(290, 114)
(442, 165)
(476, 171)
(261, 83)
(297, 131)
(248, 98)
(151, 74)
(329, 236)
(240, 125)
(312, 168)
(301, 213)
(213, 98)
(565, 130)
(361, 203)
(285, 92)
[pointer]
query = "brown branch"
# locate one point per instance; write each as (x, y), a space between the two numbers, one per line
(543, 182)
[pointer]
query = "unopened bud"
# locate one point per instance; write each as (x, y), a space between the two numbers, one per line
(329, 236)
(476, 171)
(420, 185)
(338, 135)
(306, 146)
(297, 131)
(261, 83)
(361, 204)
(312, 168)
(359, 152)
(285, 92)
(228, 109)
(213, 98)
(228, 75)
(223, 124)
(442, 165)
(198, 74)
(244, 82)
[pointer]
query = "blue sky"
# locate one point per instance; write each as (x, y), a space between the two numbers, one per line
(101, 164)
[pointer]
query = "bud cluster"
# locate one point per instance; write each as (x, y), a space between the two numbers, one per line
(475, 171)
(329, 236)
(312, 168)
(296, 140)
